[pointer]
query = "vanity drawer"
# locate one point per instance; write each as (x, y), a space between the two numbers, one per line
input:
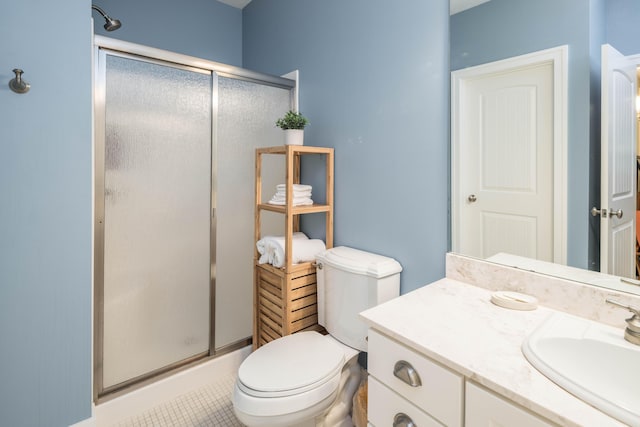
(441, 393)
(484, 408)
(385, 405)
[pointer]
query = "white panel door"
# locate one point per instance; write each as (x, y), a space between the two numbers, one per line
(618, 157)
(506, 152)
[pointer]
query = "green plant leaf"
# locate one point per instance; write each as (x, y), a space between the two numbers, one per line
(292, 120)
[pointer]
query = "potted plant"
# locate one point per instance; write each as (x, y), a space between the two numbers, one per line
(293, 124)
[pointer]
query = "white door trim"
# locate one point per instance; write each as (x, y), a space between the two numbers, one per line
(558, 57)
(634, 58)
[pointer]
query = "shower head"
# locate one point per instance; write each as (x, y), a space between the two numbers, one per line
(110, 24)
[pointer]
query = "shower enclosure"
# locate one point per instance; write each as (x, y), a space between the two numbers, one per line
(174, 164)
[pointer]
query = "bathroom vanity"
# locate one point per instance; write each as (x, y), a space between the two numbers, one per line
(467, 351)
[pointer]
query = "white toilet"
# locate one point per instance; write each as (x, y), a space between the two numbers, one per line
(308, 379)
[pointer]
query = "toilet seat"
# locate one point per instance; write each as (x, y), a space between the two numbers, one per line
(293, 374)
(291, 365)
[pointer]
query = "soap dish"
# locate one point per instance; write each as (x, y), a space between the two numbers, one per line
(514, 300)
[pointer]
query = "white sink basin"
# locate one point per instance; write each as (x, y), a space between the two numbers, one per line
(591, 361)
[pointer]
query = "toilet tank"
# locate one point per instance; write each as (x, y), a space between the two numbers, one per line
(351, 281)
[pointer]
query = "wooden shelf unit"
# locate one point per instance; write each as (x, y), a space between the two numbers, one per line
(285, 299)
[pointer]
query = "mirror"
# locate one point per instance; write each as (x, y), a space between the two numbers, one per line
(499, 29)
(590, 277)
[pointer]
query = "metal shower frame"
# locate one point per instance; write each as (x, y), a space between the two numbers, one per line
(107, 46)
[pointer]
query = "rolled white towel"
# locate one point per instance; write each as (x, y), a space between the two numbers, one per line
(302, 251)
(266, 246)
(305, 251)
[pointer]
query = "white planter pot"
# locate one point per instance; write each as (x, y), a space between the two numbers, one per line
(293, 136)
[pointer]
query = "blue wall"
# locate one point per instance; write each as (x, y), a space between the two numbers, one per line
(375, 86)
(203, 28)
(45, 191)
(504, 28)
(623, 25)
(45, 214)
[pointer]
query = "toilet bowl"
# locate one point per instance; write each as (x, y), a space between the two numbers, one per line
(308, 379)
(293, 379)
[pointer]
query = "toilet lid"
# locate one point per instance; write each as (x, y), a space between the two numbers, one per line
(294, 363)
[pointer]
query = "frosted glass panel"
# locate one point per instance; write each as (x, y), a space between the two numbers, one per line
(157, 217)
(246, 120)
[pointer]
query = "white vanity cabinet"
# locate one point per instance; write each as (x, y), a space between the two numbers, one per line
(408, 389)
(468, 354)
(405, 385)
(485, 409)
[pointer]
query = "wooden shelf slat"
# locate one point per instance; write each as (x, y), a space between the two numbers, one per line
(296, 210)
(302, 149)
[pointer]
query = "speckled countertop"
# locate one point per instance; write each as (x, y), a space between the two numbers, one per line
(456, 324)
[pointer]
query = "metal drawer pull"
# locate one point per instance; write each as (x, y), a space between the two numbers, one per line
(403, 420)
(406, 373)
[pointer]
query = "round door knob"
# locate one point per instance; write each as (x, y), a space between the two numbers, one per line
(472, 198)
(617, 213)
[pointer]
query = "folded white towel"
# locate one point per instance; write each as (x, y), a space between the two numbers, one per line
(295, 194)
(296, 187)
(301, 195)
(297, 201)
(267, 244)
(282, 197)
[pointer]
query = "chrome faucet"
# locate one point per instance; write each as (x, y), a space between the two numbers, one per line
(632, 332)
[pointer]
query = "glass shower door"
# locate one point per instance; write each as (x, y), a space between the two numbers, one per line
(157, 217)
(247, 112)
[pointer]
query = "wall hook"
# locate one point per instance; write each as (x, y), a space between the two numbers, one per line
(17, 84)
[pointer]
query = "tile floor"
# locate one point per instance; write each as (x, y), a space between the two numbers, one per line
(204, 407)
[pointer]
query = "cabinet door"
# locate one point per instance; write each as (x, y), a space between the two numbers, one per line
(387, 408)
(440, 392)
(485, 409)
